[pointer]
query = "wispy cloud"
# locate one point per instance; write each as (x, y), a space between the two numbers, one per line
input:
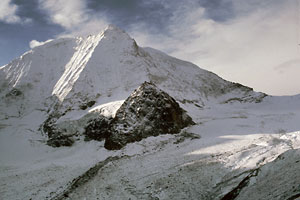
(66, 13)
(8, 13)
(73, 15)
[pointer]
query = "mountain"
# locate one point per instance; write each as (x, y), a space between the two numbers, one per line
(68, 75)
(68, 89)
(109, 66)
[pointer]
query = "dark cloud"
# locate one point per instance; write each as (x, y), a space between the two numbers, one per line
(156, 14)
(124, 13)
(29, 9)
(218, 10)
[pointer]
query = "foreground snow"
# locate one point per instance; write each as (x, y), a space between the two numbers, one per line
(235, 139)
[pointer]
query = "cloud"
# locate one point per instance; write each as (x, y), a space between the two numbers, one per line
(93, 25)
(74, 16)
(244, 49)
(8, 12)
(66, 13)
(35, 43)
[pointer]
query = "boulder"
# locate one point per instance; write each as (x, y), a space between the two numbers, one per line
(148, 111)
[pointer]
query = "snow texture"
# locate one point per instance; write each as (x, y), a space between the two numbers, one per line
(244, 143)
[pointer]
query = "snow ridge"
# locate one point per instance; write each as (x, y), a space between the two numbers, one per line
(75, 66)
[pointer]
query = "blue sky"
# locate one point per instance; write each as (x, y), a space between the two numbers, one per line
(252, 42)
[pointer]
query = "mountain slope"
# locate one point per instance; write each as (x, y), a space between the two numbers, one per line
(105, 68)
(68, 82)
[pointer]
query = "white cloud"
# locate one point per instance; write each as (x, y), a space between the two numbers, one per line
(92, 26)
(74, 16)
(35, 43)
(66, 13)
(8, 12)
(245, 49)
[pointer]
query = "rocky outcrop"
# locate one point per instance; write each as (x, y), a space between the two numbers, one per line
(56, 136)
(14, 93)
(98, 129)
(148, 111)
(60, 140)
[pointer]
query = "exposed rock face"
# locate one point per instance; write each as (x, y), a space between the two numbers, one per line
(98, 129)
(148, 111)
(56, 136)
(60, 140)
(14, 93)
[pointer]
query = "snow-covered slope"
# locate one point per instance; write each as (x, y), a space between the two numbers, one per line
(73, 80)
(104, 68)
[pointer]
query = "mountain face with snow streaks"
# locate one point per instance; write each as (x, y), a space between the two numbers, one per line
(185, 133)
(66, 75)
(104, 67)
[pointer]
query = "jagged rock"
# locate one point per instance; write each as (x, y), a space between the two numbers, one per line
(148, 111)
(257, 99)
(87, 105)
(56, 136)
(49, 127)
(186, 135)
(98, 129)
(14, 93)
(60, 140)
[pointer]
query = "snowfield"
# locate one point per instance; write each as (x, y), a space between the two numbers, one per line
(244, 145)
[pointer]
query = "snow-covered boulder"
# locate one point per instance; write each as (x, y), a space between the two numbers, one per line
(148, 111)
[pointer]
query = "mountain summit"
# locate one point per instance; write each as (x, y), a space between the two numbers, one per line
(70, 72)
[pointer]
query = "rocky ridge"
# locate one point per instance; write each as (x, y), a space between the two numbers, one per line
(148, 111)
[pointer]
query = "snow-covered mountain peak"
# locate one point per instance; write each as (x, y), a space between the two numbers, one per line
(113, 29)
(117, 40)
(106, 67)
